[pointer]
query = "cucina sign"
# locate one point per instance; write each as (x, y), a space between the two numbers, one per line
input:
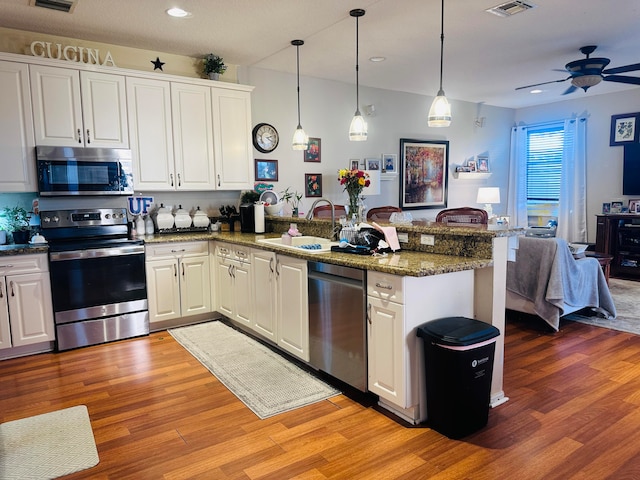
(70, 53)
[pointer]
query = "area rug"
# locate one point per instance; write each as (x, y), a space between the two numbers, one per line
(265, 382)
(47, 446)
(626, 297)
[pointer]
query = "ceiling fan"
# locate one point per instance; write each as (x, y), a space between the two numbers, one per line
(587, 72)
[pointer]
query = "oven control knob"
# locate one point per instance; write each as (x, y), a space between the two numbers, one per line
(55, 219)
(108, 215)
(46, 219)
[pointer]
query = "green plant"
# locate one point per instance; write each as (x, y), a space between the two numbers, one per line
(292, 198)
(15, 219)
(249, 196)
(212, 63)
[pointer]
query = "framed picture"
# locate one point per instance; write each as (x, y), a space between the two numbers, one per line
(482, 164)
(372, 163)
(423, 173)
(266, 170)
(354, 164)
(606, 207)
(312, 153)
(312, 184)
(616, 207)
(471, 164)
(624, 129)
(389, 163)
(634, 206)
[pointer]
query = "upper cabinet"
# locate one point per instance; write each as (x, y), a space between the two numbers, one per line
(78, 108)
(16, 129)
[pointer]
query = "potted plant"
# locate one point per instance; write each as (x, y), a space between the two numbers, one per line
(213, 66)
(293, 199)
(16, 221)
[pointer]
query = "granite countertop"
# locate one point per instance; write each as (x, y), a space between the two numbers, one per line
(403, 263)
(26, 249)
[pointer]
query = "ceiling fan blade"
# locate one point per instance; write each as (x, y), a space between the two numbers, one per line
(623, 69)
(571, 89)
(622, 79)
(544, 83)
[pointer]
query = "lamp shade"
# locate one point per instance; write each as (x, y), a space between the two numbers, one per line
(374, 184)
(440, 111)
(488, 195)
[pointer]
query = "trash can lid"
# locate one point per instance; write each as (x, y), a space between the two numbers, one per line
(457, 331)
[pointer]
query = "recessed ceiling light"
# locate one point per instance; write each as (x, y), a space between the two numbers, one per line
(178, 12)
(536, 90)
(377, 59)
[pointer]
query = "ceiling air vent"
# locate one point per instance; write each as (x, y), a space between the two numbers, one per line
(510, 8)
(66, 6)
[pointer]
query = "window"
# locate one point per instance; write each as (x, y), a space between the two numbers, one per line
(545, 145)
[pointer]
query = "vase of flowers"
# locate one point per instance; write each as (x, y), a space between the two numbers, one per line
(353, 181)
(213, 66)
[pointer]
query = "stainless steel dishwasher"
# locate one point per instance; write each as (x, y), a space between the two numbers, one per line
(337, 324)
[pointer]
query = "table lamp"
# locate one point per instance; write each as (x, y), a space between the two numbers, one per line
(488, 195)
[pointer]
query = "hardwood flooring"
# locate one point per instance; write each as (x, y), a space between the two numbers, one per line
(156, 412)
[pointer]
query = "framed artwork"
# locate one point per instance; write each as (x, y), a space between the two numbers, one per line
(616, 207)
(354, 164)
(372, 163)
(266, 170)
(482, 164)
(312, 153)
(423, 173)
(389, 163)
(624, 129)
(472, 166)
(312, 184)
(606, 207)
(634, 206)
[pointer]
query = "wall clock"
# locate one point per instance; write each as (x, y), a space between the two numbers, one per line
(265, 137)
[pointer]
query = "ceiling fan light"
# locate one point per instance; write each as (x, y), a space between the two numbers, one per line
(300, 139)
(440, 112)
(358, 128)
(586, 81)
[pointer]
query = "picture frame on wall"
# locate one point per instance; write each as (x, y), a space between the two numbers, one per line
(372, 163)
(482, 164)
(313, 151)
(312, 184)
(423, 173)
(625, 129)
(389, 163)
(616, 207)
(354, 164)
(606, 207)
(634, 205)
(266, 170)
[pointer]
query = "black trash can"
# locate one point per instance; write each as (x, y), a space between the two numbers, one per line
(459, 354)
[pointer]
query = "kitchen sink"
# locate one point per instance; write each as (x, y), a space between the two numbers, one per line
(306, 243)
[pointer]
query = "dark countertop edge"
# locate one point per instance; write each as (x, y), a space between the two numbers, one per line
(22, 249)
(403, 263)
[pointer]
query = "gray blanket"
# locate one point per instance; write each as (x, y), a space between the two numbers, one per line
(546, 273)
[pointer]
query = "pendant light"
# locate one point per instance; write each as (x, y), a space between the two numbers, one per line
(300, 139)
(440, 111)
(358, 127)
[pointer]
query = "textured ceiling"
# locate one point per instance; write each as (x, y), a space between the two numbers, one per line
(486, 57)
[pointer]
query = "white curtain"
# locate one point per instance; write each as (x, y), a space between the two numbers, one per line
(572, 214)
(517, 194)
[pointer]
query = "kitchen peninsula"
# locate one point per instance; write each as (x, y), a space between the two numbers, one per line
(462, 272)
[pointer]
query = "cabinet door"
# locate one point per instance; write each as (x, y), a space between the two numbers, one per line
(232, 134)
(194, 285)
(57, 110)
(192, 137)
(263, 265)
(5, 330)
(151, 133)
(163, 287)
(30, 308)
(293, 306)
(16, 129)
(242, 293)
(386, 349)
(104, 110)
(225, 297)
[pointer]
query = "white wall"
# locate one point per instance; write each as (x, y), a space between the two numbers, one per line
(326, 111)
(604, 163)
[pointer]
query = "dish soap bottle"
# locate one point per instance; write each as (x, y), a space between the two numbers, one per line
(139, 226)
(148, 225)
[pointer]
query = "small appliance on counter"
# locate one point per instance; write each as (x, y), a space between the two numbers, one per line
(247, 218)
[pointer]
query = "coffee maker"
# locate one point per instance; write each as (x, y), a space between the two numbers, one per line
(247, 218)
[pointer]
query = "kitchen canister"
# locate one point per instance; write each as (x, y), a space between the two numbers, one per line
(258, 215)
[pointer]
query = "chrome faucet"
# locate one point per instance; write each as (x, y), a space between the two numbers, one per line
(333, 214)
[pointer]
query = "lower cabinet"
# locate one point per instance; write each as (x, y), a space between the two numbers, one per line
(178, 280)
(26, 312)
(233, 282)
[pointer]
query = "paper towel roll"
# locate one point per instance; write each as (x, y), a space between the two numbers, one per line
(258, 213)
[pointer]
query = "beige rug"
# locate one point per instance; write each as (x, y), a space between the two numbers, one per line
(266, 382)
(47, 446)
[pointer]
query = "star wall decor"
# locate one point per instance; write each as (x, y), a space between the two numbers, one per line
(157, 64)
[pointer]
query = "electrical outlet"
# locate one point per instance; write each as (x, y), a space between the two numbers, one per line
(403, 237)
(427, 240)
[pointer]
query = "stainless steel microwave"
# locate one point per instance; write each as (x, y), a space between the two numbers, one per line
(84, 171)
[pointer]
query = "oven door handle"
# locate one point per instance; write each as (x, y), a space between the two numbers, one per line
(96, 253)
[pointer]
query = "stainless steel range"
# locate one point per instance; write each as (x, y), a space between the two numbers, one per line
(97, 277)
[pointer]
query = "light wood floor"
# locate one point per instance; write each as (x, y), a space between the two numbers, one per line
(574, 413)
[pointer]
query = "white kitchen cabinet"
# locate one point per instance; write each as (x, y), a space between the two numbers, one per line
(16, 129)
(178, 280)
(265, 291)
(292, 306)
(26, 312)
(233, 283)
(74, 108)
(396, 307)
(232, 139)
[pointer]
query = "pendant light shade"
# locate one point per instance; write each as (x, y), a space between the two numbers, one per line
(358, 127)
(300, 139)
(440, 111)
